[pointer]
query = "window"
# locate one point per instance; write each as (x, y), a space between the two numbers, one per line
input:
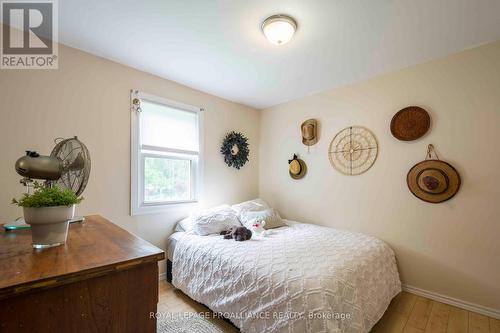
(166, 153)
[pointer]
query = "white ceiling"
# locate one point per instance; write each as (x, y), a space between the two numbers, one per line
(218, 47)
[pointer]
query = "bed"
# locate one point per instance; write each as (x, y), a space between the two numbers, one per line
(300, 278)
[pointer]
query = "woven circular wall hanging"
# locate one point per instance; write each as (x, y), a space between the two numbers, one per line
(410, 123)
(353, 150)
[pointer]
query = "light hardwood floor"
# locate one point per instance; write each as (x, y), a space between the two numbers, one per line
(407, 313)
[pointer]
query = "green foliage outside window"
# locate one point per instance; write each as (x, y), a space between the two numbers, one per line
(166, 179)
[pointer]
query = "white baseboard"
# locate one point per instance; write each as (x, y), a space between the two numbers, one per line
(162, 276)
(453, 301)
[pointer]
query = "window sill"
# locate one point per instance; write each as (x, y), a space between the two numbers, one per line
(148, 209)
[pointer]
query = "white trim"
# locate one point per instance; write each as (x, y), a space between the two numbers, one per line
(166, 101)
(134, 157)
(170, 150)
(136, 207)
(201, 155)
(166, 208)
(490, 312)
(162, 276)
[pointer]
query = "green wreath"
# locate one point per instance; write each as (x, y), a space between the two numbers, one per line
(235, 149)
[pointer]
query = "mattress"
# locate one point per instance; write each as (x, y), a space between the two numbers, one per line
(302, 278)
(171, 242)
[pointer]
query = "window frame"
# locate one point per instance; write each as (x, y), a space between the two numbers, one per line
(139, 153)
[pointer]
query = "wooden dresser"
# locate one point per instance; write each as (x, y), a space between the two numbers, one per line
(103, 279)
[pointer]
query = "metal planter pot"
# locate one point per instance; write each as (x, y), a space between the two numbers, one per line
(49, 225)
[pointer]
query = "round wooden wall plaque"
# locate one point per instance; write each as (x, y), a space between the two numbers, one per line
(410, 123)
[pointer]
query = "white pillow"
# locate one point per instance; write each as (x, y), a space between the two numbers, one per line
(271, 218)
(215, 220)
(252, 205)
(185, 224)
(182, 225)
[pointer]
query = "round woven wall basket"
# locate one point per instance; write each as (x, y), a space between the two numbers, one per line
(410, 123)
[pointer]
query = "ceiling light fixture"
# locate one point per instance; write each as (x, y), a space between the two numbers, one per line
(279, 29)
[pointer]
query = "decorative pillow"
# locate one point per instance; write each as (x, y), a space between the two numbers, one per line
(179, 227)
(186, 224)
(252, 205)
(215, 220)
(270, 216)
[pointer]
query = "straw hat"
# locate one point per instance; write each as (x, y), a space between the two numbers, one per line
(296, 167)
(309, 132)
(433, 181)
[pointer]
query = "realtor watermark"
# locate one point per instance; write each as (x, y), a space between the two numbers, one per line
(29, 34)
(275, 315)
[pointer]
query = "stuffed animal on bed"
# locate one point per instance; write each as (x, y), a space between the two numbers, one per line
(237, 233)
(258, 228)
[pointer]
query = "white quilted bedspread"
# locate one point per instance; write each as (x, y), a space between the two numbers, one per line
(304, 278)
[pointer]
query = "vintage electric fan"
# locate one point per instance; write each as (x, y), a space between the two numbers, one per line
(68, 167)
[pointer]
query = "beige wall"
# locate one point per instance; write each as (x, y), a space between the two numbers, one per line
(451, 248)
(89, 96)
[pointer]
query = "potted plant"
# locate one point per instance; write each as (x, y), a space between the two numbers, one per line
(48, 210)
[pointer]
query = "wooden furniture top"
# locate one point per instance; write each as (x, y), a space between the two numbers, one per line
(94, 248)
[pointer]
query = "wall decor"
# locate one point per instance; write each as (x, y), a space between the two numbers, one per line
(235, 149)
(410, 123)
(433, 180)
(297, 168)
(353, 150)
(309, 129)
